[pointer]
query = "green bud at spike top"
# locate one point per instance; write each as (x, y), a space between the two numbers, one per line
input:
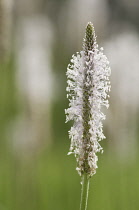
(90, 39)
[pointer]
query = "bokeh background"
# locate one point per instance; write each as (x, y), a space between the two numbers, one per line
(37, 39)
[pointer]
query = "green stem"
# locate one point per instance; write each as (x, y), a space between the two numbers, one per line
(84, 192)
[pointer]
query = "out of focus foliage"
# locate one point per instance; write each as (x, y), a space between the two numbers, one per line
(37, 40)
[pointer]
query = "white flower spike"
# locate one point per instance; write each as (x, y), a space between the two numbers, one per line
(88, 87)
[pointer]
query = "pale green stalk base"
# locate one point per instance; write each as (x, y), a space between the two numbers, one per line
(84, 192)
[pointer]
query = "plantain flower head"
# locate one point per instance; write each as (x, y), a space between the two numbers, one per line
(88, 87)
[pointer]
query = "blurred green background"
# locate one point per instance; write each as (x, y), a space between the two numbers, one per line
(37, 40)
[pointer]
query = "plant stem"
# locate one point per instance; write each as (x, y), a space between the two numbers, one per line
(84, 192)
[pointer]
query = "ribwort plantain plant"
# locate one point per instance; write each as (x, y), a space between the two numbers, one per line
(88, 87)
